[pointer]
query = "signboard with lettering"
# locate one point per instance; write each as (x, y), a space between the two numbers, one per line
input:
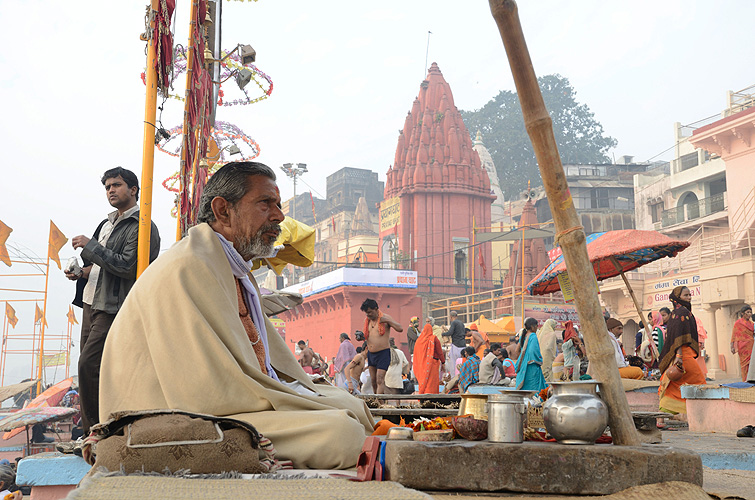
(656, 293)
(280, 326)
(560, 312)
(356, 276)
(59, 359)
(389, 213)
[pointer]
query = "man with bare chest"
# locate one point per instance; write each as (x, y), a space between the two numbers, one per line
(377, 332)
(354, 371)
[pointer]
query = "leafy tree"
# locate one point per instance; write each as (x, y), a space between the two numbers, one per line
(579, 135)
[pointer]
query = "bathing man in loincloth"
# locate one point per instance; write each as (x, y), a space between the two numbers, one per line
(377, 332)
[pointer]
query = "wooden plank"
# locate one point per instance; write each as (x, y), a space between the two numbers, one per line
(423, 397)
(414, 412)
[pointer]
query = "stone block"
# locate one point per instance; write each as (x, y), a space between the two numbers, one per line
(704, 392)
(532, 467)
(51, 469)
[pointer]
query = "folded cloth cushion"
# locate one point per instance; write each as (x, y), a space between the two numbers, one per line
(155, 440)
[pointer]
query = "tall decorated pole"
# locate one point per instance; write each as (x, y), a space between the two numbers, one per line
(148, 146)
(570, 234)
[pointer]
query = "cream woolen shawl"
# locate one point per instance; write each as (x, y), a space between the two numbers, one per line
(178, 343)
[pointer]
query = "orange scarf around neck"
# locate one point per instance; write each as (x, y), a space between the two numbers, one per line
(381, 326)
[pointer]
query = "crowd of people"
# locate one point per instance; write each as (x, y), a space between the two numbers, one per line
(194, 319)
(453, 358)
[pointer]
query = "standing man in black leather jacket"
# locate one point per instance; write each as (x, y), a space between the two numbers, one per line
(108, 274)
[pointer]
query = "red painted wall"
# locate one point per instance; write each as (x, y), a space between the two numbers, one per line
(322, 317)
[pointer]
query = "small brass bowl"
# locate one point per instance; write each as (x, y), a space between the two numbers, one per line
(397, 433)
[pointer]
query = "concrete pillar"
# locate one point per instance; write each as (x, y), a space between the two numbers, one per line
(708, 317)
(724, 334)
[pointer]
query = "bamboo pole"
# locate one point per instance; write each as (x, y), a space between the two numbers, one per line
(570, 234)
(148, 153)
(648, 337)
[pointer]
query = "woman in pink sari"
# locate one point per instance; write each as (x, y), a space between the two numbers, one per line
(742, 339)
(428, 356)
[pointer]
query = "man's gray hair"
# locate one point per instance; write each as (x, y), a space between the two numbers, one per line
(431, 320)
(230, 182)
(454, 314)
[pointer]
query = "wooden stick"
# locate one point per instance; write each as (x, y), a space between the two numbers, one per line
(570, 234)
(648, 337)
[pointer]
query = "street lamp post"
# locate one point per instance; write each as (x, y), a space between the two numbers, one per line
(294, 171)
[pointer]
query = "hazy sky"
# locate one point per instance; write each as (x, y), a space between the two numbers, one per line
(345, 74)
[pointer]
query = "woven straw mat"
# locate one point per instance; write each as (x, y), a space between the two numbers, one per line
(742, 395)
(172, 488)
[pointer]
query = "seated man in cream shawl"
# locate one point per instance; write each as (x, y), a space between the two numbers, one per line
(185, 340)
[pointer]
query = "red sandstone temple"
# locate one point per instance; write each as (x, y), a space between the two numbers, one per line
(442, 192)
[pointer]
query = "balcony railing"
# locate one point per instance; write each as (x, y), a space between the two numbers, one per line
(695, 210)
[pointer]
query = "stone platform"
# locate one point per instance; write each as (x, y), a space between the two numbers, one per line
(51, 475)
(532, 467)
(719, 408)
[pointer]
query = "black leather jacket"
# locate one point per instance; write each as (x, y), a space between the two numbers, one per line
(117, 260)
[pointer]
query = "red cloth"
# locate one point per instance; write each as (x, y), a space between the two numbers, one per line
(569, 332)
(163, 37)
(428, 355)
(251, 330)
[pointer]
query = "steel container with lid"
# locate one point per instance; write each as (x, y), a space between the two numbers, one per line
(506, 414)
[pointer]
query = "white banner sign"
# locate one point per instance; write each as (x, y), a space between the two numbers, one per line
(356, 276)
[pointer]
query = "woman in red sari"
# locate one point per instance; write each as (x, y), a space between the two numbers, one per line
(428, 355)
(681, 347)
(742, 339)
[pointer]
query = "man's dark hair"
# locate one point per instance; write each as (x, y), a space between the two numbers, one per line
(230, 182)
(495, 346)
(127, 175)
(635, 361)
(301, 342)
(369, 304)
(359, 349)
(469, 350)
(665, 309)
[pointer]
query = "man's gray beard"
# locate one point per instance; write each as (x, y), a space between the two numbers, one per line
(255, 247)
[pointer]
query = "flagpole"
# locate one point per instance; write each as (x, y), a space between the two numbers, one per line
(42, 329)
(148, 153)
(68, 343)
(5, 344)
(33, 345)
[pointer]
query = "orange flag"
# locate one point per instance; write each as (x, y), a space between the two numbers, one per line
(57, 240)
(71, 316)
(4, 233)
(10, 313)
(39, 315)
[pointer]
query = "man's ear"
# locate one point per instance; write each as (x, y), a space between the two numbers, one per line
(222, 211)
